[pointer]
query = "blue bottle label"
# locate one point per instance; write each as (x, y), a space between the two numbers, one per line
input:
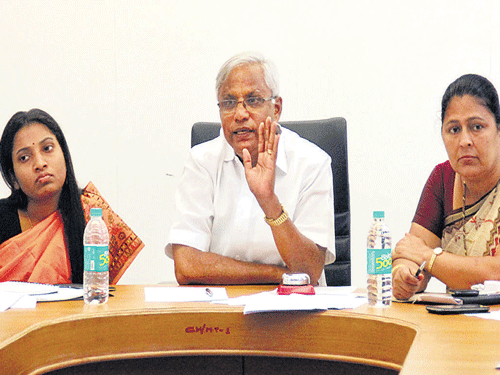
(96, 258)
(379, 261)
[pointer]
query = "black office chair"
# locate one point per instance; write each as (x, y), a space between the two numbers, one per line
(331, 136)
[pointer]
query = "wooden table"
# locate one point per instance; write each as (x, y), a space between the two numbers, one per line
(207, 337)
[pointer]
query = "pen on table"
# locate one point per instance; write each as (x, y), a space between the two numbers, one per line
(80, 286)
(70, 286)
(420, 269)
(209, 292)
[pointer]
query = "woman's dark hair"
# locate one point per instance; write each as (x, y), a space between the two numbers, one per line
(70, 204)
(476, 86)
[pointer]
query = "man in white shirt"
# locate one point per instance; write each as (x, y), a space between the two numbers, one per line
(236, 190)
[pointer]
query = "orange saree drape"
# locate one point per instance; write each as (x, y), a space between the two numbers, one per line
(37, 255)
(40, 253)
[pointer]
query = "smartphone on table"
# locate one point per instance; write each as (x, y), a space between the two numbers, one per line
(457, 309)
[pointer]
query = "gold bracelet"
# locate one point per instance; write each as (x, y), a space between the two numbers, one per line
(278, 221)
(431, 263)
(395, 268)
(435, 253)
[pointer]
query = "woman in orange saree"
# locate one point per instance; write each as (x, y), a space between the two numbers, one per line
(42, 221)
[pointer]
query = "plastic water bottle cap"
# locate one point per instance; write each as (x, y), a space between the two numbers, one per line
(95, 212)
(378, 214)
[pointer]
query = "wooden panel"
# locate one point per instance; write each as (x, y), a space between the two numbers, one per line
(147, 333)
(62, 334)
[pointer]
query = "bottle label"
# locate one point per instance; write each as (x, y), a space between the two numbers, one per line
(96, 258)
(379, 261)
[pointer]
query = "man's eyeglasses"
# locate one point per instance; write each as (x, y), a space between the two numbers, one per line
(250, 103)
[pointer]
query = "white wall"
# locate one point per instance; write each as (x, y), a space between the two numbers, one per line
(127, 79)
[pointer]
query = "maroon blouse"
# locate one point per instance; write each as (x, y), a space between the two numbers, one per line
(436, 201)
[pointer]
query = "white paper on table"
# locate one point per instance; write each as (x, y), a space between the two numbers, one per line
(7, 299)
(345, 302)
(488, 287)
(291, 302)
(243, 300)
(492, 315)
(301, 302)
(347, 291)
(40, 293)
(184, 294)
(324, 299)
(25, 302)
(27, 288)
(335, 290)
(342, 297)
(63, 294)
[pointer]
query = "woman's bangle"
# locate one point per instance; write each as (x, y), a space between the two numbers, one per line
(395, 268)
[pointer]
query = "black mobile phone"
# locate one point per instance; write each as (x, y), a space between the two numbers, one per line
(464, 292)
(457, 309)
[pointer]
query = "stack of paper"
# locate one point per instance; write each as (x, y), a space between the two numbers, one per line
(15, 294)
(324, 299)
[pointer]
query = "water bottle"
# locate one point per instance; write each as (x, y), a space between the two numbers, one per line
(96, 259)
(379, 262)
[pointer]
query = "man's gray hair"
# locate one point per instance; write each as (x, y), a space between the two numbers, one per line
(248, 58)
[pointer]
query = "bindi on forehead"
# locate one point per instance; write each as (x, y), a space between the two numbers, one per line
(31, 136)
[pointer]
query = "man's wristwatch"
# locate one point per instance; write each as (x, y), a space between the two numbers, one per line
(437, 251)
(278, 221)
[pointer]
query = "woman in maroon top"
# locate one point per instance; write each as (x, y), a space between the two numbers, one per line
(456, 229)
